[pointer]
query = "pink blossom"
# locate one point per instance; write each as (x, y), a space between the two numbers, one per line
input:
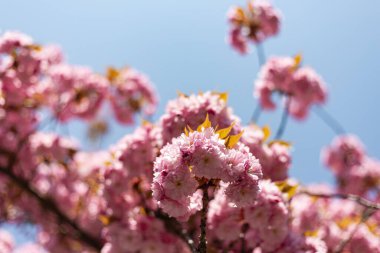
(6, 242)
(259, 21)
(192, 110)
(284, 75)
(131, 92)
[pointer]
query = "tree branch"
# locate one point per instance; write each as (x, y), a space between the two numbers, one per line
(359, 200)
(366, 214)
(47, 203)
(174, 227)
(284, 119)
(202, 247)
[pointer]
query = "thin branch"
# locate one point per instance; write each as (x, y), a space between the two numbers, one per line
(261, 61)
(260, 54)
(359, 200)
(50, 205)
(256, 114)
(171, 224)
(174, 227)
(329, 120)
(366, 214)
(47, 203)
(202, 247)
(284, 119)
(243, 231)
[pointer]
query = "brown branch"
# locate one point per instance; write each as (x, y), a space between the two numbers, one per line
(51, 206)
(359, 200)
(47, 203)
(174, 227)
(202, 247)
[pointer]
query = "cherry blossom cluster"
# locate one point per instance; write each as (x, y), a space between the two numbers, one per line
(198, 157)
(258, 21)
(302, 86)
(265, 224)
(195, 181)
(130, 92)
(274, 156)
(32, 76)
(333, 220)
(355, 171)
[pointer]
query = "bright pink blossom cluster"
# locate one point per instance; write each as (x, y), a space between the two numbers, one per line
(256, 23)
(195, 158)
(354, 170)
(302, 86)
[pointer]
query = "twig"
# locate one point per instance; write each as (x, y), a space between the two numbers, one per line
(50, 205)
(329, 120)
(366, 214)
(284, 119)
(171, 224)
(359, 200)
(260, 54)
(244, 229)
(47, 203)
(202, 247)
(261, 61)
(174, 227)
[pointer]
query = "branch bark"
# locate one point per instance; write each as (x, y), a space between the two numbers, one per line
(48, 204)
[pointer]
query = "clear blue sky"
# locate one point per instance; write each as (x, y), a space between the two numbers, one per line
(181, 46)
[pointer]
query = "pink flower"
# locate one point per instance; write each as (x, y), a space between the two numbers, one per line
(192, 110)
(302, 85)
(6, 242)
(75, 92)
(198, 156)
(344, 153)
(131, 92)
(255, 24)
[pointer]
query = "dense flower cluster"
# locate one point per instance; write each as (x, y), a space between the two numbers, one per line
(194, 181)
(256, 23)
(199, 156)
(32, 76)
(274, 156)
(265, 224)
(355, 171)
(137, 151)
(302, 86)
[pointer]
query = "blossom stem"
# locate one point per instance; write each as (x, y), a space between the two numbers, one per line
(202, 247)
(261, 60)
(260, 54)
(329, 120)
(284, 119)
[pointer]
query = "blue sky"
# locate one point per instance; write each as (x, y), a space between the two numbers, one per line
(181, 45)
